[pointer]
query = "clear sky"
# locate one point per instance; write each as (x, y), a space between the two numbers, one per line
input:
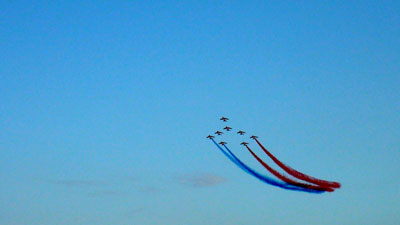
(105, 106)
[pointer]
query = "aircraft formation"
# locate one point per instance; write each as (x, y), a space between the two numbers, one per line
(227, 128)
(292, 180)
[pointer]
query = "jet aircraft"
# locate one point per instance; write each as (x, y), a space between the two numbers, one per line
(210, 137)
(222, 143)
(254, 137)
(224, 119)
(244, 143)
(227, 128)
(218, 132)
(241, 132)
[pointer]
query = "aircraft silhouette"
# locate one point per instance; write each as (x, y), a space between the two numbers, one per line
(224, 119)
(227, 128)
(241, 132)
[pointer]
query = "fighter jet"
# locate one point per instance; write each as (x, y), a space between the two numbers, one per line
(218, 132)
(244, 143)
(254, 137)
(210, 137)
(222, 143)
(224, 119)
(241, 132)
(227, 128)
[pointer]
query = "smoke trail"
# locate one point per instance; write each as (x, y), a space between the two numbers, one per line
(298, 174)
(287, 179)
(271, 181)
(263, 178)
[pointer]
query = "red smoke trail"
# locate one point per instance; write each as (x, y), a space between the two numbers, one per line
(286, 179)
(298, 174)
(259, 176)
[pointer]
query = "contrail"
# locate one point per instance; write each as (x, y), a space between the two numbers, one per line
(287, 179)
(299, 175)
(263, 178)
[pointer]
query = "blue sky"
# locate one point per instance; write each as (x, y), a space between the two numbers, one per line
(105, 107)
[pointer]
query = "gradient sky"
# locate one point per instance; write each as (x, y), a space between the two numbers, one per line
(104, 109)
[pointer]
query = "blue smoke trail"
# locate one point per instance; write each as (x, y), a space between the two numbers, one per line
(263, 178)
